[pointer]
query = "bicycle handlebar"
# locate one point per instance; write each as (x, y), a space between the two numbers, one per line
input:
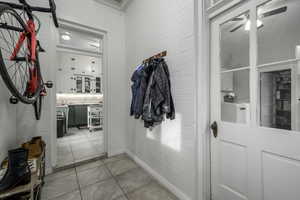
(53, 11)
(23, 4)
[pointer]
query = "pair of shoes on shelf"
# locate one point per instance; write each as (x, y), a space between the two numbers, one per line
(18, 171)
(35, 147)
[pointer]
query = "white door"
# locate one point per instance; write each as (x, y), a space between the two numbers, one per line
(255, 92)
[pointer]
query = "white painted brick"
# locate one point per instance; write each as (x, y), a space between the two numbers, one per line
(153, 26)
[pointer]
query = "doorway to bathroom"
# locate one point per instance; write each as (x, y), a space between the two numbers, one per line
(79, 96)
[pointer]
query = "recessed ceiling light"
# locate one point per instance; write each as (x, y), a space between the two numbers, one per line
(66, 37)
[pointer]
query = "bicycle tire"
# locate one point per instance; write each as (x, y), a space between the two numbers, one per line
(37, 105)
(4, 72)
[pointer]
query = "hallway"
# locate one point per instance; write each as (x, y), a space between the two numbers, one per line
(116, 178)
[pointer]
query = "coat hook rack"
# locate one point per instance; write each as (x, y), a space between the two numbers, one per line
(159, 55)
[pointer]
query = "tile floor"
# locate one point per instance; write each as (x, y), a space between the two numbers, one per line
(79, 145)
(116, 178)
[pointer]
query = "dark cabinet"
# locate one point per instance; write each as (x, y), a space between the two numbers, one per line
(87, 85)
(71, 117)
(98, 85)
(79, 84)
(78, 115)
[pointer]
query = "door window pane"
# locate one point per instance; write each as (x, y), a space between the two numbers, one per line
(278, 30)
(235, 96)
(235, 43)
(275, 99)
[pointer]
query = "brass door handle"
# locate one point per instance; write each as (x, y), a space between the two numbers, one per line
(214, 128)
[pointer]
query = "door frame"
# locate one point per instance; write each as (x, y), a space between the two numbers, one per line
(204, 17)
(202, 49)
(105, 79)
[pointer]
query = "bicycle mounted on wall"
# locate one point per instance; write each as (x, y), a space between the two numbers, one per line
(19, 48)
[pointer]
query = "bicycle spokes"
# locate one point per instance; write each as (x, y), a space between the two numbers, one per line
(14, 51)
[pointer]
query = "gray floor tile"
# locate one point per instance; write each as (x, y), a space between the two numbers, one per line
(70, 196)
(133, 179)
(105, 190)
(61, 186)
(86, 157)
(152, 191)
(90, 165)
(60, 175)
(93, 175)
(121, 198)
(96, 142)
(121, 166)
(65, 159)
(116, 158)
(79, 145)
(99, 148)
(84, 153)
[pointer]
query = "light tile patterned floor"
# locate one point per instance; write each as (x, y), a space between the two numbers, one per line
(96, 181)
(79, 145)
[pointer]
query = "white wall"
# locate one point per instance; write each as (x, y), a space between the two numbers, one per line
(92, 14)
(7, 122)
(170, 149)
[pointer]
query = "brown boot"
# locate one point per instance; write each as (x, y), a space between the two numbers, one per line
(4, 163)
(35, 147)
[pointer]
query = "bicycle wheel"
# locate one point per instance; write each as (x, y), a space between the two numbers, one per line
(37, 105)
(15, 73)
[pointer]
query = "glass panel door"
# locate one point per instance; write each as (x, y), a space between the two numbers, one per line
(235, 59)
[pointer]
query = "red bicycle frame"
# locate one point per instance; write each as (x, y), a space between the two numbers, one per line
(32, 85)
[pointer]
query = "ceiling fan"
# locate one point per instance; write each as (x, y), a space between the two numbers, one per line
(247, 22)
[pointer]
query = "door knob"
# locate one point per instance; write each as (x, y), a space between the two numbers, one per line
(214, 128)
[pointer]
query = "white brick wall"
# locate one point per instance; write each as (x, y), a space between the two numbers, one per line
(7, 122)
(170, 149)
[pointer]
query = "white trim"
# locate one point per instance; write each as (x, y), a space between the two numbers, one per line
(121, 7)
(107, 103)
(221, 7)
(202, 47)
(61, 47)
(158, 177)
(290, 61)
(215, 5)
(236, 69)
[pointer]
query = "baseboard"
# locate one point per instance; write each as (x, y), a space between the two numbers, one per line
(181, 195)
(116, 152)
(48, 170)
